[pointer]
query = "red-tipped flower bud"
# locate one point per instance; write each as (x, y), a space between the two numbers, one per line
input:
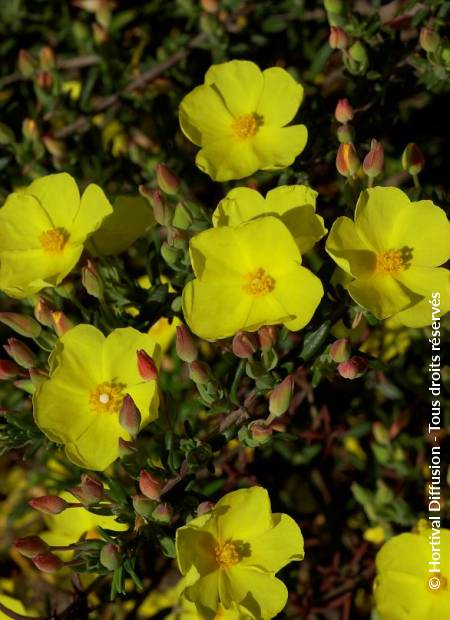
(353, 368)
(344, 111)
(27, 64)
(47, 562)
(61, 323)
(30, 546)
(20, 353)
(413, 160)
(167, 181)
(130, 416)
(8, 370)
(91, 280)
(185, 346)
(280, 398)
(146, 366)
(267, 337)
(429, 39)
(347, 160)
(345, 133)
(260, 431)
(143, 506)
(338, 38)
(21, 324)
(163, 513)
(374, 160)
(149, 485)
(92, 488)
(204, 507)
(37, 376)
(47, 57)
(244, 345)
(110, 556)
(43, 312)
(199, 372)
(340, 350)
(48, 504)
(161, 210)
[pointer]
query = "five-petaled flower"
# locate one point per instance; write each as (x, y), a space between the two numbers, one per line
(231, 555)
(238, 118)
(391, 253)
(43, 228)
(248, 276)
(79, 404)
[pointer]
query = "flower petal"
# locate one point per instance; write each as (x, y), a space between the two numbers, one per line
(277, 147)
(195, 547)
(98, 446)
(22, 220)
(243, 514)
(204, 116)
(299, 293)
(239, 205)
(146, 399)
(216, 254)
(94, 207)
(280, 98)
(205, 594)
(261, 593)
(119, 356)
(78, 358)
(227, 158)
(59, 197)
(427, 281)
(279, 546)
(349, 250)
(382, 295)
(240, 83)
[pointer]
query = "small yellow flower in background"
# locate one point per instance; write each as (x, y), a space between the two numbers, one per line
(388, 340)
(238, 118)
(392, 251)
(404, 587)
(295, 205)
(130, 219)
(72, 88)
(248, 276)
(79, 404)
(230, 555)
(43, 228)
(375, 535)
(11, 603)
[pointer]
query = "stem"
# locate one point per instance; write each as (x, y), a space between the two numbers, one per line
(416, 181)
(15, 616)
(237, 377)
(370, 182)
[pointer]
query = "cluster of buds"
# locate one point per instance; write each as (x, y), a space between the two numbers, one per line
(347, 160)
(35, 549)
(89, 491)
(148, 503)
(348, 366)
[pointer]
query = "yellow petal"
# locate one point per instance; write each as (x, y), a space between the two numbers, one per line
(22, 220)
(349, 250)
(145, 396)
(217, 254)
(278, 147)
(119, 355)
(195, 547)
(239, 82)
(286, 197)
(280, 98)
(205, 594)
(244, 514)
(59, 196)
(299, 293)
(425, 280)
(227, 158)
(78, 359)
(261, 593)
(382, 295)
(94, 207)
(204, 116)
(98, 446)
(420, 314)
(239, 205)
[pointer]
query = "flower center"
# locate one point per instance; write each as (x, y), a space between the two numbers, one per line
(438, 583)
(258, 283)
(246, 126)
(54, 240)
(226, 555)
(389, 262)
(107, 397)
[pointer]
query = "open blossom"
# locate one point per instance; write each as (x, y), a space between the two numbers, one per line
(246, 277)
(405, 589)
(90, 375)
(230, 555)
(43, 228)
(295, 205)
(238, 118)
(392, 252)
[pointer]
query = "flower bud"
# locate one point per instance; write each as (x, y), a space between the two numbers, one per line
(340, 350)
(182, 217)
(163, 513)
(43, 312)
(47, 562)
(374, 160)
(429, 39)
(170, 254)
(168, 182)
(185, 346)
(344, 111)
(204, 507)
(347, 160)
(333, 6)
(20, 353)
(126, 448)
(143, 506)
(91, 280)
(37, 376)
(345, 133)
(23, 325)
(27, 64)
(161, 210)
(210, 6)
(47, 58)
(110, 556)
(57, 148)
(44, 80)
(260, 431)
(244, 345)
(267, 337)
(8, 370)
(30, 130)
(146, 366)
(353, 368)
(130, 416)
(92, 488)
(48, 504)
(30, 546)
(338, 38)
(413, 160)
(61, 323)
(358, 60)
(149, 485)
(280, 398)
(199, 372)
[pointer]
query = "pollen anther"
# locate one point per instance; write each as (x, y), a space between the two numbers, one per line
(258, 283)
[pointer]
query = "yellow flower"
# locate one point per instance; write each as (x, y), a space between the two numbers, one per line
(130, 219)
(42, 231)
(230, 555)
(79, 404)
(238, 118)
(163, 332)
(404, 587)
(248, 276)
(295, 205)
(13, 604)
(392, 251)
